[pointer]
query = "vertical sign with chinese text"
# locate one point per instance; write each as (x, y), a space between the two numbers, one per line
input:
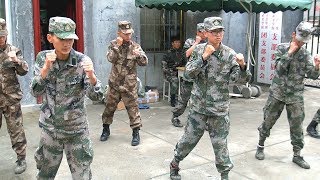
(269, 37)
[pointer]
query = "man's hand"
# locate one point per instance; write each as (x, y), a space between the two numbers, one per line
(208, 51)
(240, 60)
(87, 66)
(136, 51)
(89, 70)
(317, 61)
(50, 59)
(119, 41)
(294, 47)
(13, 56)
(198, 39)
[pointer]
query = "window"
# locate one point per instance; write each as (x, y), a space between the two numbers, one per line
(158, 27)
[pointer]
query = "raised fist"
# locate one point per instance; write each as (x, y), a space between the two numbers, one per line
(13, 56)
(198, 39)
(50, 59)
(119, 41)
(240, 59)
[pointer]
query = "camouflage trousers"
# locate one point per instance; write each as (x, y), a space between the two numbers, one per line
(295, 114)
(129, 99)
(78, 151)
(218, 128)
(14, 120)
(174, 84)
(316, 117)
(186, 88)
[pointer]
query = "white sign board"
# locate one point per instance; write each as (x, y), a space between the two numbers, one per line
(269, 37)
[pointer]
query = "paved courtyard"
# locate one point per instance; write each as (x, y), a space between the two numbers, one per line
(117, 159)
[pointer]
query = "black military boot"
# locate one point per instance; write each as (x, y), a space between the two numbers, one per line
(312, 129)
(105, 132)
(173, 100)
(176, 122)
(135, 137)
(174, 171)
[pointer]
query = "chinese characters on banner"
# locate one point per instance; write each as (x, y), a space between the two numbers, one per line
(269, 37)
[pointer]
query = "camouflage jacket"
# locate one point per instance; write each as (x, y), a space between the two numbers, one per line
(187, 44)
(287, 84)
(123, 75)
(10, 91)
(210, 94)
(171, 60)
(63, 91)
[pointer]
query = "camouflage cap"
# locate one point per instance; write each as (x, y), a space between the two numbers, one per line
(212, 23)
(200, 27)
(63, 28)
(3, 27)
(125, 27)
(304, 31)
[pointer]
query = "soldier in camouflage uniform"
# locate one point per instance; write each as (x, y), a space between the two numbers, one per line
(212, 66)
(312, 127)
(11, 65)
(293, 62)
(63, 77)
(125, 55)
(175, 57)
(187, 84)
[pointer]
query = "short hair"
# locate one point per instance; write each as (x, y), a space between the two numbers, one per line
(175, 38)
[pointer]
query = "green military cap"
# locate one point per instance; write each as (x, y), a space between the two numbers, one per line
(200, 27)
(304, 31)
(3, 27)
(63, 27)
(125, 27)
(212, 23)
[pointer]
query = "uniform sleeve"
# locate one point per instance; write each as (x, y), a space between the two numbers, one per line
(38, 84)
(142, 59)
(113, 53)
(187, 44)
(22, 67)
(310, 68)
(94, 92)
(282, 59)
(164, 62)
(196, 64)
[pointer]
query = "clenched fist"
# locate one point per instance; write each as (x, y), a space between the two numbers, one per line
(50, 59)
(208, 51)
(13, 56)
(240, 60)
(119, 41)
(87, 64)
(88, 68)
(317, 61)
(198, 39)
